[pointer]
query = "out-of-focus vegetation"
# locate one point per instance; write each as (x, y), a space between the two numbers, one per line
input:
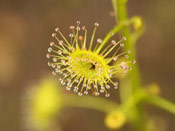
(25, 29)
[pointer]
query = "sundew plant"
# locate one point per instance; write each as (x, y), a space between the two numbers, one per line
(92, 68)
(89, 68)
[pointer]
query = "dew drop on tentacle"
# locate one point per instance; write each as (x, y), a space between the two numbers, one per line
(85, 92)
(96, 93)
(71, 35)
(69, 84)
(113, 42)
(54, 59)
(111, 33)
(121, 45)
(58, 66)
(115, 87)
(64, 74)
(60, 72)
(75, 90)
(134, 61)
(129, 68)
(102, 88)
(57, 29)
(76, 87)
(63, 82)
(52, 43)
(76, 81)
(107, 95)
(63, 62)
(53, 73)
(48, 55)
(107, 86)
(102, 91)
(124, 38)
(68, 88)
(57, 70)
(126, 56)
(116, 83)
(115, 58)
(78, 22)
(80, 93)
(53, 65)
(72, 27)
(88, 87)
(99, 41)
(53, 35)
(49, 64)
(78, 28)
(49, 49)
(84, 28)
(96, 24)
(59, 52)
(61, 42)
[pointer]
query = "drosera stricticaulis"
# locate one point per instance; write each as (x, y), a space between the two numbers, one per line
(85, 68)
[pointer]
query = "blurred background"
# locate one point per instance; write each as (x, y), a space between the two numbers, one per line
(25, 33)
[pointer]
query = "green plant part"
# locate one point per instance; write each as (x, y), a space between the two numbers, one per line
(115, 119)
(43, 102)
(84, 67)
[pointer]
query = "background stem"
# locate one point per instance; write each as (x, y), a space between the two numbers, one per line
(122, 16)
(161, 103)
(132, 83)
(90, 102)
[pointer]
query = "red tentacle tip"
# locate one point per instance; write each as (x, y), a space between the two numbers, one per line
(53, 35)
(96, 24)
(83, 28)
(78, 22)
(57, 29)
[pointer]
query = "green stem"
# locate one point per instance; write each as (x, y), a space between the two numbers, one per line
(132, 102)
(162, 103)
(142, 96)
(115, 30)
(132, 83)
(122, 16)
(106, 39)
(90, 102)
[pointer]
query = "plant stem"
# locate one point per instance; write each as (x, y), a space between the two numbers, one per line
(162, 103)
(121, 17)
(91, 102)
(132, 83)
(114, 31)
